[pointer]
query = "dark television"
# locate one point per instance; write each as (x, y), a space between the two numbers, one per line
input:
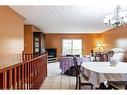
(51, 52)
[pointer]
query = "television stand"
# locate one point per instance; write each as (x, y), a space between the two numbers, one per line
(52, 59)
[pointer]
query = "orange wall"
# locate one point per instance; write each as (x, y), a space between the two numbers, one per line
(28, 37)
(116, 37)
(90, 41)
(11, 36)
(113, 38)
(55, 41)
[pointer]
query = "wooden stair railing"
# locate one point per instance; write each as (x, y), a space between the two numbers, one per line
(28, 74)
(28, 56)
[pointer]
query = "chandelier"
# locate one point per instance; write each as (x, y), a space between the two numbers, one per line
(118, 18)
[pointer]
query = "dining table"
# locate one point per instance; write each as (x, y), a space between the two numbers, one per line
(98, 72)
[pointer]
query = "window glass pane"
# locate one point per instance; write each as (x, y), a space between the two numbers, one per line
(77, 46)
(72, 46)
(66, 46)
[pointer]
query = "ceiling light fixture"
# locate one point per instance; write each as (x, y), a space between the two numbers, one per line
(118, 18)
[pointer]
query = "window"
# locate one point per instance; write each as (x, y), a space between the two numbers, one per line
(72, 46)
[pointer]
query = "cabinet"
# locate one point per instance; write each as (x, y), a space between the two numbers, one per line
(34, 40)
(38, 42)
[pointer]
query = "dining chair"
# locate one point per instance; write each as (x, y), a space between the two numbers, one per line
(103, 57)
(77, 55)
(81, 80)
(118, 85)
(69, 55)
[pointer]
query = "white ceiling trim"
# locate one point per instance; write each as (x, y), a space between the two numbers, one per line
(68, 19)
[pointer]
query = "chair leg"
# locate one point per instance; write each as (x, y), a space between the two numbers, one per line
(126, 86)
(91, 86)
(76, 83)
(79, 82)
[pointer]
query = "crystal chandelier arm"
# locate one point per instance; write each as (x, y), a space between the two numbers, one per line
(119, 17)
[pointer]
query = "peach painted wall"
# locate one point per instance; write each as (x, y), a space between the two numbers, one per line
(28, 37)
(90, 41)
(116, 37)
(55, 41)
(11, 36)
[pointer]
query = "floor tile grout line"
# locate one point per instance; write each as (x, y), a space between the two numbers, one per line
(51, 82)
(69, 83)
(61, 81)
(62, 77)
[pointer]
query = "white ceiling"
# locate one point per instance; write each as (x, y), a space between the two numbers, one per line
(69, 19)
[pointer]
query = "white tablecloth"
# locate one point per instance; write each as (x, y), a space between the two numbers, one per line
(98, 72)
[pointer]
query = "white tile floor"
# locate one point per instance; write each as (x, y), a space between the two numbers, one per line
(55, 80)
